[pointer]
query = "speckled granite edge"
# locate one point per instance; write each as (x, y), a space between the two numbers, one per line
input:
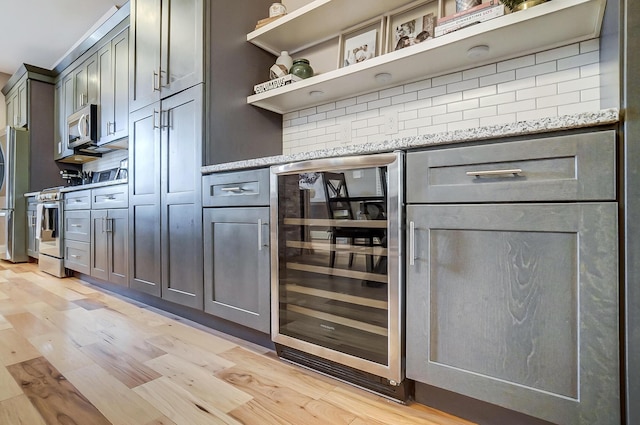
(542, 125)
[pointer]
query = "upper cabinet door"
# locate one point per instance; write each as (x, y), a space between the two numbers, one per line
(166, 49)
(114, 90)
(145, 53)
(106, 93)
(23, 113)
(86, 83)
(182, 45)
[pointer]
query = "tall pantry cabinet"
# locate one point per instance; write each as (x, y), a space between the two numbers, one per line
(165, 149)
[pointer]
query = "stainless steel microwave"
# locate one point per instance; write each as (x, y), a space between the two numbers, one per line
(82, 127)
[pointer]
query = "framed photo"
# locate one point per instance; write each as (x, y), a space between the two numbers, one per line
(362, 43)
(412, 25)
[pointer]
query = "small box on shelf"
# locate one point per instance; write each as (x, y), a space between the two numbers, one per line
(275, 83)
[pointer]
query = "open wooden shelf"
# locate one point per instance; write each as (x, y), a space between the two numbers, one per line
(316, 22)
(549, 25)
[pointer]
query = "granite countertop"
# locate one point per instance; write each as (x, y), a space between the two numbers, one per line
(542, 125)
(84, 186)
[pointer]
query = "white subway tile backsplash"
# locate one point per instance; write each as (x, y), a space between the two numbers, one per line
(447, 79)
(418, 85)
(394, 91)
(346, 102)
(473, 83)
(481, 71)
(540, 91)
(580, 60)
(559, 53)
(557, 100)
(500, 77)
(532, 71)
(365, 98)
(516, 63)
(560, 81)
(463, 105)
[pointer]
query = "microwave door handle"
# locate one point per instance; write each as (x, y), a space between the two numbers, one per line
(81, 127)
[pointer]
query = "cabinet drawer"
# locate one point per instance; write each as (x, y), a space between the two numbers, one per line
(110, 197)
(78, 200)
(236, 189)
(77, 256)
(77, 225)
(575, 167)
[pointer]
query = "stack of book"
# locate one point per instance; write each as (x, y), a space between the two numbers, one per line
(483, 12)
(275, 83)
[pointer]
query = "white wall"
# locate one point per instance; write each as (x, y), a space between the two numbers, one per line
(552, 83)
(3, 107)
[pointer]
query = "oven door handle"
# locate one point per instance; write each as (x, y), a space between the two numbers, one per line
(51, 205)
(39, 213)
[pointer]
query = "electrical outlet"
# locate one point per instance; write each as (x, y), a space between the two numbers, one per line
(345, 132)
(391, 122)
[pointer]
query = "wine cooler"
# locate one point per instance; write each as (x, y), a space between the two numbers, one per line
(337, 292)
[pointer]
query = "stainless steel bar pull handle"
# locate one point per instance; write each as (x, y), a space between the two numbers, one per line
(492, 173)
(231, 189)
(154, 118)
(412, 243)
(259, 234)
(155, 77)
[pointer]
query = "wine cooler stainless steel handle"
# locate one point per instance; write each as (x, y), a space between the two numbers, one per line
(491, 173)
(412, 243)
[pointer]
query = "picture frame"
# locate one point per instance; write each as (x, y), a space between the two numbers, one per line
(412, 24)
(361, 43)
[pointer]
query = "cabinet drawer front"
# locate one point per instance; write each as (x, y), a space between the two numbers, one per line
(77, 225)
(79, 200)
(237, 188)
(77, 256)
(575, 167)
(110, 197)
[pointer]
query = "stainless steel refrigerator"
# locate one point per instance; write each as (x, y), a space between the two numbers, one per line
(14, 183)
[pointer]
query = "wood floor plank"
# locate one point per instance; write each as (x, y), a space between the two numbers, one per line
(78, 286)
(122, 366)
(297, 379)
(368, 407)
(3, 296)
(200, 382)
(283, 402)
(41, 293)
(197, 337)
(89, 304)
(28, 325)
(254, 412)
(14, 348)
(191, 353)
(19, 411)
(60, 351)
(180, 405)
(8, 386)
(4, 324)
(59, 290)
(55, 398)
(131, 341)
(117, 402)
(77, 328)
(161, 421)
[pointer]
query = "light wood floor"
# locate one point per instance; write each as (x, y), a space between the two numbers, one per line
(73, 354)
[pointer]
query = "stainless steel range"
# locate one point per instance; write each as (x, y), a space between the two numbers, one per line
(337, 293)
(49, 231)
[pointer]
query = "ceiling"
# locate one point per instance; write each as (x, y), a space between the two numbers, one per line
(41, 32)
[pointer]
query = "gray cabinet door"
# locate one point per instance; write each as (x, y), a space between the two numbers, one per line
(517, 305)
(182, 45)
(22, 105)
(60, 149)
(144, 200)
(181, 216)
(113, 60)
(32, 242)
(118, 246)
(99, 245)
(11, 104)
(86, 83)
(145, 53)
(236, 266)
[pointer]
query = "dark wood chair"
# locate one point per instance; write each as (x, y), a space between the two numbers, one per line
(340, 206)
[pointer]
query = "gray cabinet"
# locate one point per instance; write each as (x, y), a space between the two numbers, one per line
(16, 102)
(60, 145)
(77, 238)
(515, 304)
(167, 49)
(113, 60)
(32, 241)
(164, 186)
(86, 83)
(237, 272)
(109, 245)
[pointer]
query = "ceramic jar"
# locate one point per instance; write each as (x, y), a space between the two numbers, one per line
(301, 68)
(277, 9)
